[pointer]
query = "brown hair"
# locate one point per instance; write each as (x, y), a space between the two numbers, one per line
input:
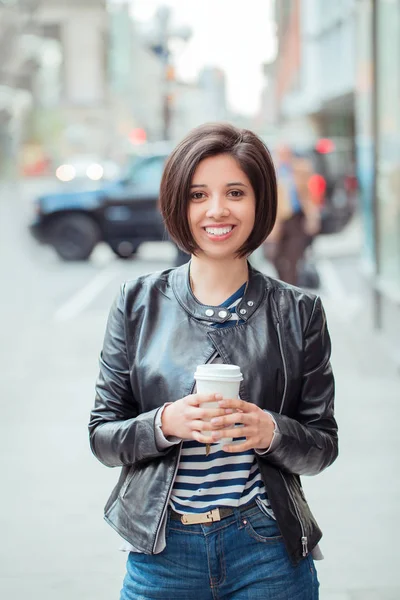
(208, 140)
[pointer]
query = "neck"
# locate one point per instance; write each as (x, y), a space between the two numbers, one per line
(214, 281)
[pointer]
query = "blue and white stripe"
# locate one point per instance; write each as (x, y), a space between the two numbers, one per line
(219, 479)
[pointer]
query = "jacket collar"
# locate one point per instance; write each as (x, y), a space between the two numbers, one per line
(251, 300)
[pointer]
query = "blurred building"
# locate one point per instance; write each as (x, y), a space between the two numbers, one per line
(314, 72)
(337, 74)
(212, 83)
(199, 102)
(147, 76)
(19, 51)
(378, 153)
(120, 61)
(73, 88)
(266, 117)
(135, 75)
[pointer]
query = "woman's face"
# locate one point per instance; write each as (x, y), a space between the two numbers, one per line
(221, 209)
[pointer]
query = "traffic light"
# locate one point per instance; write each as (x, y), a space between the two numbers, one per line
(137, 136)
(324, 146)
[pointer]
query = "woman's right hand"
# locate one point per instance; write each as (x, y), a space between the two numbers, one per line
(187, 417)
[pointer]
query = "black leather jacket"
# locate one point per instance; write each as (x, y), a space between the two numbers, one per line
(154, 340)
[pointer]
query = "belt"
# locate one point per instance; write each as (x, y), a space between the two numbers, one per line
(207, 518)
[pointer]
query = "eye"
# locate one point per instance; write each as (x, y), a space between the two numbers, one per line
(236, 193)
(197, 196)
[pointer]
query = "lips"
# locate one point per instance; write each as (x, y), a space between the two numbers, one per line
(219, 233)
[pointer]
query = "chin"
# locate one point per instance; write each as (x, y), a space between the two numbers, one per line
(214, 254)
(219, 250)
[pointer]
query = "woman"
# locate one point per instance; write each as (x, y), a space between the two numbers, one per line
(250, 532)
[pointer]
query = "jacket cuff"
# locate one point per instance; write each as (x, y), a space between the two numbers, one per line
(275, 439)
(162, 442)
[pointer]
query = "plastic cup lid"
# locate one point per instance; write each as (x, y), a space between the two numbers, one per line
(218, 371)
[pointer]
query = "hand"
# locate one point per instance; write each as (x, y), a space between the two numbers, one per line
(258, 426)
(185, 418)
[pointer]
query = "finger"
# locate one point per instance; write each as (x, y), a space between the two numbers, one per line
(197, 399)
(208, 413)
(203, 439)
(235, 432)
(236, 404)
(219, 422)
(192, 400)
(199, 425)
(204, 398)
(237, 447)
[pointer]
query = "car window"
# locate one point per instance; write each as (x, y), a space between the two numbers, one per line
(146, 173)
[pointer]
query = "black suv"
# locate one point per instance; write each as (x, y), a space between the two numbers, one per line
(123, 213)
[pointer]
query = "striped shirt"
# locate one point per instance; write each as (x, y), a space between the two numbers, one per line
(219, 479)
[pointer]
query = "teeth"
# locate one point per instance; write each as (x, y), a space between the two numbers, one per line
(219, 230)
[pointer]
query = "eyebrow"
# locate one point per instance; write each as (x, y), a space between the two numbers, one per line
(232, 183)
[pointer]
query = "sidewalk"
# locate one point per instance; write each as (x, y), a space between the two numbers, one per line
(344, 244)
(357, 500)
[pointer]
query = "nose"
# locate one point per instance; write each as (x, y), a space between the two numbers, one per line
(217, 208)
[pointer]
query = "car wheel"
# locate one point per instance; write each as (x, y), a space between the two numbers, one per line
(124, 249)
(74, 237)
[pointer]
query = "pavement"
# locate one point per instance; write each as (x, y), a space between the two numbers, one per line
(356, 501)
(55, 545)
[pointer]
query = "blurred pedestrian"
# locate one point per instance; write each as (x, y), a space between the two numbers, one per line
(226, 519)
(298, 217)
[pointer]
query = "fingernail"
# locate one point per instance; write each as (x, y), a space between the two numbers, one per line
(215, 421)
(229, 411)
(218, 396)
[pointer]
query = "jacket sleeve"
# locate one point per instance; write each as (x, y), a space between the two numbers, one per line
(308, 443)
(119, 435)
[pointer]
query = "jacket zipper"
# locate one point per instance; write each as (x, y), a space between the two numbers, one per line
(214, 354)
(284, 367)
(304, 542)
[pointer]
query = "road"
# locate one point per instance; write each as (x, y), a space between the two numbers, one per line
(55, 544)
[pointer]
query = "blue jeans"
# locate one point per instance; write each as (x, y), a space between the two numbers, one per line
(240, 557)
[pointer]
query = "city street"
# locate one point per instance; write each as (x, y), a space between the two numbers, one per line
(55, 543)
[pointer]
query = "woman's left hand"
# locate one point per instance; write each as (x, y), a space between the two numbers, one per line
(257, 426)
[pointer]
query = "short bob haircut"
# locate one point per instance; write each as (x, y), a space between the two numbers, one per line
(210, 140)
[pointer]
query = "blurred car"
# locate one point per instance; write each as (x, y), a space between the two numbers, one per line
(123, 213)
(88, 167)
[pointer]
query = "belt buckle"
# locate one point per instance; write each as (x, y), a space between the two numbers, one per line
(194, 519)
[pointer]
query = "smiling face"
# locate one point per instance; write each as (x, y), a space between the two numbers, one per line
(221, 209)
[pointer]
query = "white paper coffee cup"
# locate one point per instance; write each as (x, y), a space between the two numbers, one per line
(218, 379)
